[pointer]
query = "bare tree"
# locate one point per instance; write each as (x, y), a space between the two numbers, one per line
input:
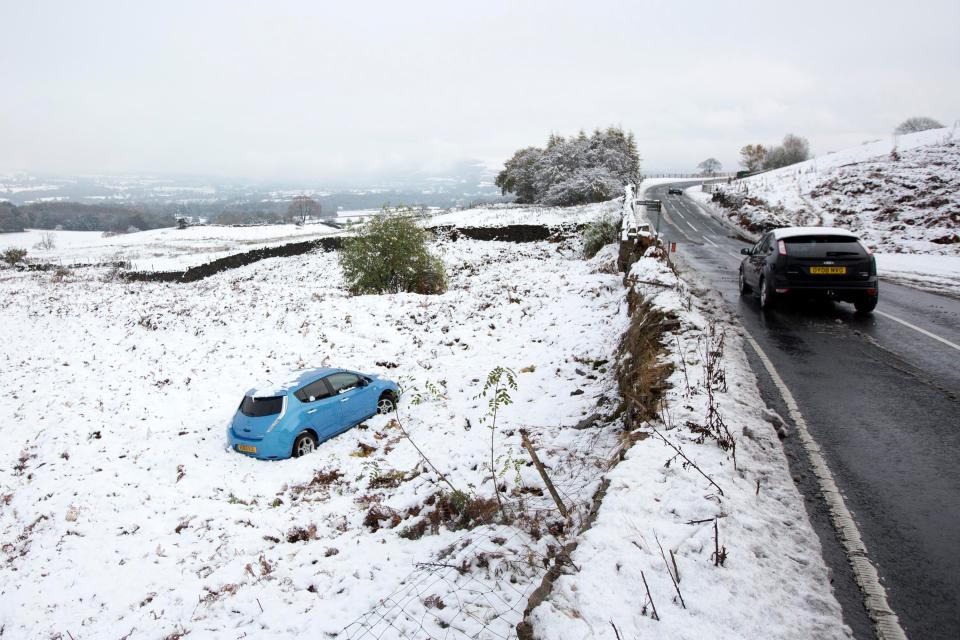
(47, 242)
(751, 156)
(917, 123)
(794, 149)
(303, 207)
(710, 167)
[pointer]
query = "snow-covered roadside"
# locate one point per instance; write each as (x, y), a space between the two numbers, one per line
(657, 517)
(121, 514)
(939, 274)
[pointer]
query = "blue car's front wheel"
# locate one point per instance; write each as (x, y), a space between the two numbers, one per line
(386, 403)
(305, 443)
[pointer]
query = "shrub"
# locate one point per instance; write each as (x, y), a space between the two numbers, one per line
(13, 255)
(915, 124)
(599, 234)
(390, 255)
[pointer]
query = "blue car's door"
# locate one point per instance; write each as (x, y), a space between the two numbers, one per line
(350, 393)
(321, 409)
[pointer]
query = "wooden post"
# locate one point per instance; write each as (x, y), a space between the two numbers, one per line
(543, 474)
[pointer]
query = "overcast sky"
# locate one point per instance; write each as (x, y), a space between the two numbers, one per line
(330, 90)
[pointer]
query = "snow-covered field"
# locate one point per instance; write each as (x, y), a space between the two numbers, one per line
(506, 214)
(907, 202)
(122, 512)
(122, 515)
(159, 249)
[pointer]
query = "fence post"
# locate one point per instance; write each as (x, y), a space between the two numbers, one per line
(543, 474)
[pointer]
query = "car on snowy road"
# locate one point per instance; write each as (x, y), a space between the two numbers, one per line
(292, 418)
(810, 261)
(675, 191)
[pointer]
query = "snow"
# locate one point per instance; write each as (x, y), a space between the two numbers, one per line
(124, 516)
(165, 249)
(940, 274)
(773, 583)
(127, 502)
(508, 214)
(900, 202)
(793, 232)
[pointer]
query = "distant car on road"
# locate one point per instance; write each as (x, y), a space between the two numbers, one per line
(276, 421)
(814, 261)
(675, 191)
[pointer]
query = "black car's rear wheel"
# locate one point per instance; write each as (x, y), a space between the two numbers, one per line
(742, 284)
(866, 305)
(766, 295)
(305, 443)
(386, 404)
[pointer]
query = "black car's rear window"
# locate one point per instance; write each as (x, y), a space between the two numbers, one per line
(824, 246)
(260, 407)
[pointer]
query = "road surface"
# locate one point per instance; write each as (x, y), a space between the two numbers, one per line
(881, 396)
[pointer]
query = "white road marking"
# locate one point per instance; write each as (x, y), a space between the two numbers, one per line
(691, 226)
(916, 328)
(886, 624)
(710, 242)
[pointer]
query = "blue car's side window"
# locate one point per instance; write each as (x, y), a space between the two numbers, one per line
(343, 381)
(314, 391)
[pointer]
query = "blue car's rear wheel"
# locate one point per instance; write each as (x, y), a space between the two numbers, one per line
(386, 403)
(305, 443)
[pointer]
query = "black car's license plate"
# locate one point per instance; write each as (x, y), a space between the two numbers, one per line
(829, 271)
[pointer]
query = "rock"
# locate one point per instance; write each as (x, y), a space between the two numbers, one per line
(578, 392)
(778, 424)
(588, 422)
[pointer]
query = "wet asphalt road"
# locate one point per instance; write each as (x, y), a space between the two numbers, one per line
(883, 402)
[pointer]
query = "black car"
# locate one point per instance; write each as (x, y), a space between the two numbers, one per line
(812, 261)
(675, 191)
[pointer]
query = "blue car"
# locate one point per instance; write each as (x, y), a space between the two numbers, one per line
(292, 418)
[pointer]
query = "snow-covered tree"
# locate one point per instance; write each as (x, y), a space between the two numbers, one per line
(917, 123)
(573, 171)
(519, 175)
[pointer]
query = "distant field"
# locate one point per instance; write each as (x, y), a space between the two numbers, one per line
(158, 249)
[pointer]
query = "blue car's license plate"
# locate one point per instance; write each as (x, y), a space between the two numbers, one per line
(246, 448)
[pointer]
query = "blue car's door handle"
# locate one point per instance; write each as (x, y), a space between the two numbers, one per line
(312, 411)
(344, 399)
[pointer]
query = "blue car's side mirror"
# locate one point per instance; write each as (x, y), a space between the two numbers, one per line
(746, 252)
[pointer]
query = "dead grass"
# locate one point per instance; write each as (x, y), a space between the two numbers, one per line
(641, 370)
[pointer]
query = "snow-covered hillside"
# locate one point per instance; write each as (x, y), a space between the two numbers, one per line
(901, 195)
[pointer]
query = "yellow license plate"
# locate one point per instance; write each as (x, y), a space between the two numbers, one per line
(246, 448)
(833, 271)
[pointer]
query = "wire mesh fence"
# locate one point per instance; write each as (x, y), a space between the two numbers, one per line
(477, 588)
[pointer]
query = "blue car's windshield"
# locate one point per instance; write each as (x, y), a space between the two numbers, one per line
(259, 407)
